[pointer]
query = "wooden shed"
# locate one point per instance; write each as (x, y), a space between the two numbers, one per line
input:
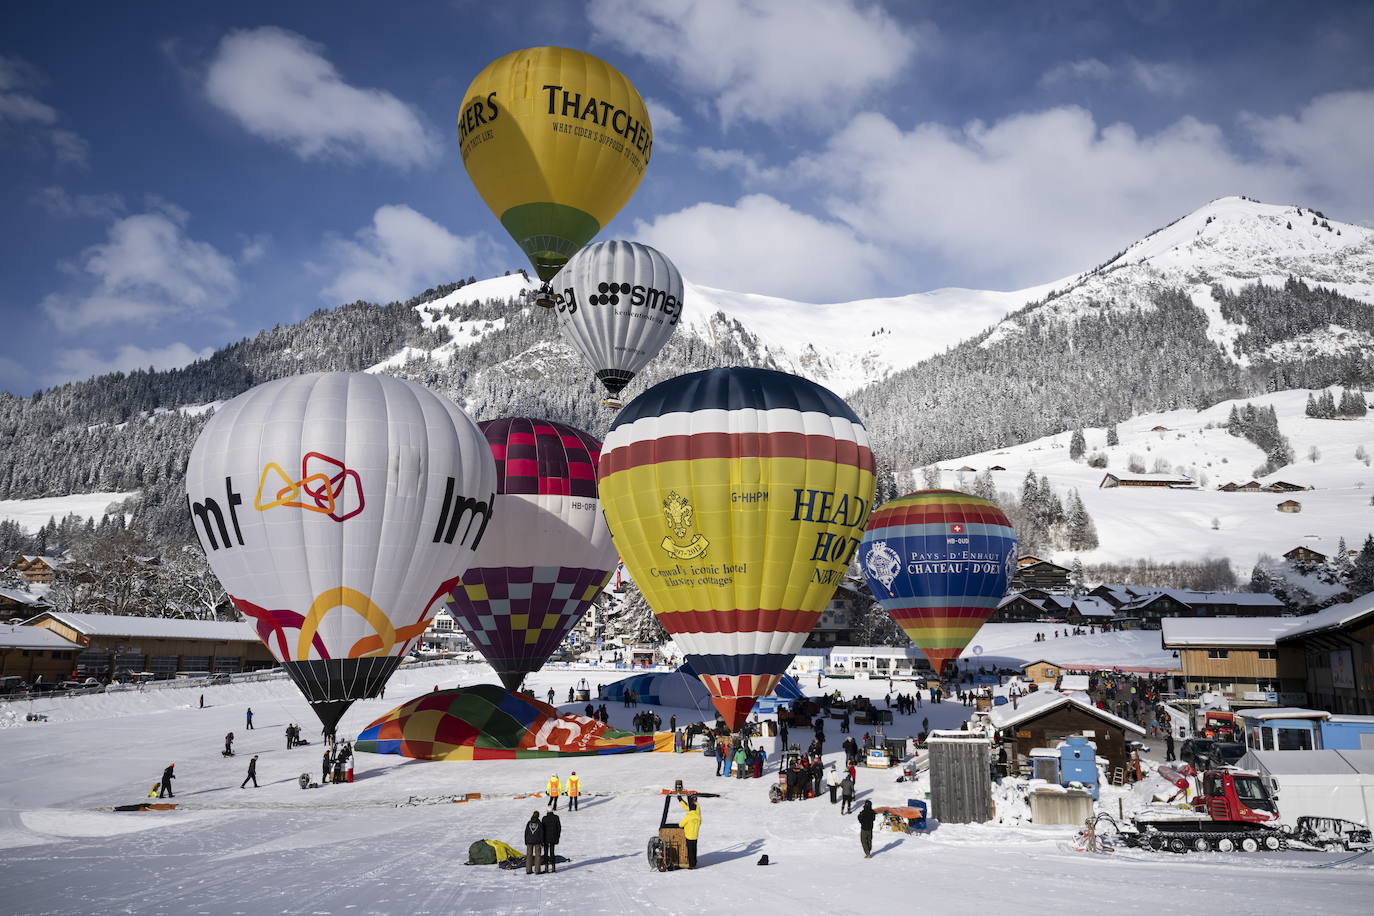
(1046, 717)
(1042, 672)
(1290, 505)
(115, 644)
(30, 653)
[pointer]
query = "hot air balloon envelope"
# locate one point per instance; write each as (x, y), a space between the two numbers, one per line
(737, 498)
(556, 142)
(939, 561)
(338, 510)
(619, 304)
(547, 552)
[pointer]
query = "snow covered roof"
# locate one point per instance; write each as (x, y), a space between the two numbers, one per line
(1076, 682)
(1350, 720)
(1152, 478)
(20, 596)
(151, 627)
(1036, 704)
(1178, 632)
(22, 637)
(1338, 615)
(1283, 712)
(1244, 599)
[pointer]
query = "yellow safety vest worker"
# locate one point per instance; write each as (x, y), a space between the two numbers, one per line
(553, 786)
(574, 785)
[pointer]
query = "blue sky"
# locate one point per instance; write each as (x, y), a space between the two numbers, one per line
(179, 175)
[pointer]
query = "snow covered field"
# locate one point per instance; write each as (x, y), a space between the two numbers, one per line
(32, 514)
(392, 843)
(1013, 644)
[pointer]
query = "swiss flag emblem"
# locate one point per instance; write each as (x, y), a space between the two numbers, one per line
(956, 529)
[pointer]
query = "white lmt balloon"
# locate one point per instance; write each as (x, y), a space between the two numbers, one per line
(618, 305)
(338, 510)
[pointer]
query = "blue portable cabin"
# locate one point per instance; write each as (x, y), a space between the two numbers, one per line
(1078, 763)
(1348, 733)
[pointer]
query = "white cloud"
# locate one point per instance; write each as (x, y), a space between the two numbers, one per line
(84, 362)
(57, 201)
(763, 245)
(1087, 69)
(1159, 77)
(20, 110)
(750, 168)
(254, 248)
(401, 253)
(664, 120)
(763, 60)
(147, 270)
(279, 86)
(1034, 196)
(1330, 141)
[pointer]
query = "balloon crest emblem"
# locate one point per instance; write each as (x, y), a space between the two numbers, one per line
(883, 564)
(683, 543)
(332, 488)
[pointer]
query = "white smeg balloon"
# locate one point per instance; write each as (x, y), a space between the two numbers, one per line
(338, 510)
(619, 303)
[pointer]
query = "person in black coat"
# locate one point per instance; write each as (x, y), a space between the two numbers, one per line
(326, 764)
(553, 832)
(166, 787)
(252, 772)
(534, 845)
(866, 817)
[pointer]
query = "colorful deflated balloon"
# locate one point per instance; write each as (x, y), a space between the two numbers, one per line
(737, 498)
(547, 553)
(619, 303)
(939, 561)
(338, 510)
(556, 142)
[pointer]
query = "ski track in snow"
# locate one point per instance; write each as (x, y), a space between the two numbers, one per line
(351, 850)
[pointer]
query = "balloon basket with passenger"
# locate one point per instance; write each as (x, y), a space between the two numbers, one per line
(668, 849)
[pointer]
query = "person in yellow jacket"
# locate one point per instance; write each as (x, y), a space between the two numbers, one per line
(691, 828)
(574, 790)
(553, 789)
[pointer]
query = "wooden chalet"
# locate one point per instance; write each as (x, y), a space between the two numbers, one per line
(1289, 505)
(1229, 487)
(1283, 486)
(114, 644)
(1041, 574)
(1305, 555)
(1017, 608)
(1253, 486)
(30, 653)
(996, 467)
(1338, 647)
(1047, 717)
(37, 570)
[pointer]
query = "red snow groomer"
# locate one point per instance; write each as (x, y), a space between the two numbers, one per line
(1233, 812)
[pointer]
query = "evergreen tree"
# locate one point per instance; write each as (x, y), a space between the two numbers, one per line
(1362, 571)
(1112, 438)
(1077, 444)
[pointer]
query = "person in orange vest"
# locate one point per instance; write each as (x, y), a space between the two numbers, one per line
(553, 789)
(574, 790)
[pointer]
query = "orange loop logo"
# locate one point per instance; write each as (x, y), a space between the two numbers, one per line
(325, 486)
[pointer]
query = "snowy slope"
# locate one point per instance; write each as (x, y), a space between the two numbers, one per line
(32, 514)
(393, 841)
(1177, 525)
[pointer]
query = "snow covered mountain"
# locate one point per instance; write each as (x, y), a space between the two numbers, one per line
(1178, 320)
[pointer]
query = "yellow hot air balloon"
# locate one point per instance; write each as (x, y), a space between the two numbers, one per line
(556, 142)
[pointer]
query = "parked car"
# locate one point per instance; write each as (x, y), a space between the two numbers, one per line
(1195, 751)
(1224, 754)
